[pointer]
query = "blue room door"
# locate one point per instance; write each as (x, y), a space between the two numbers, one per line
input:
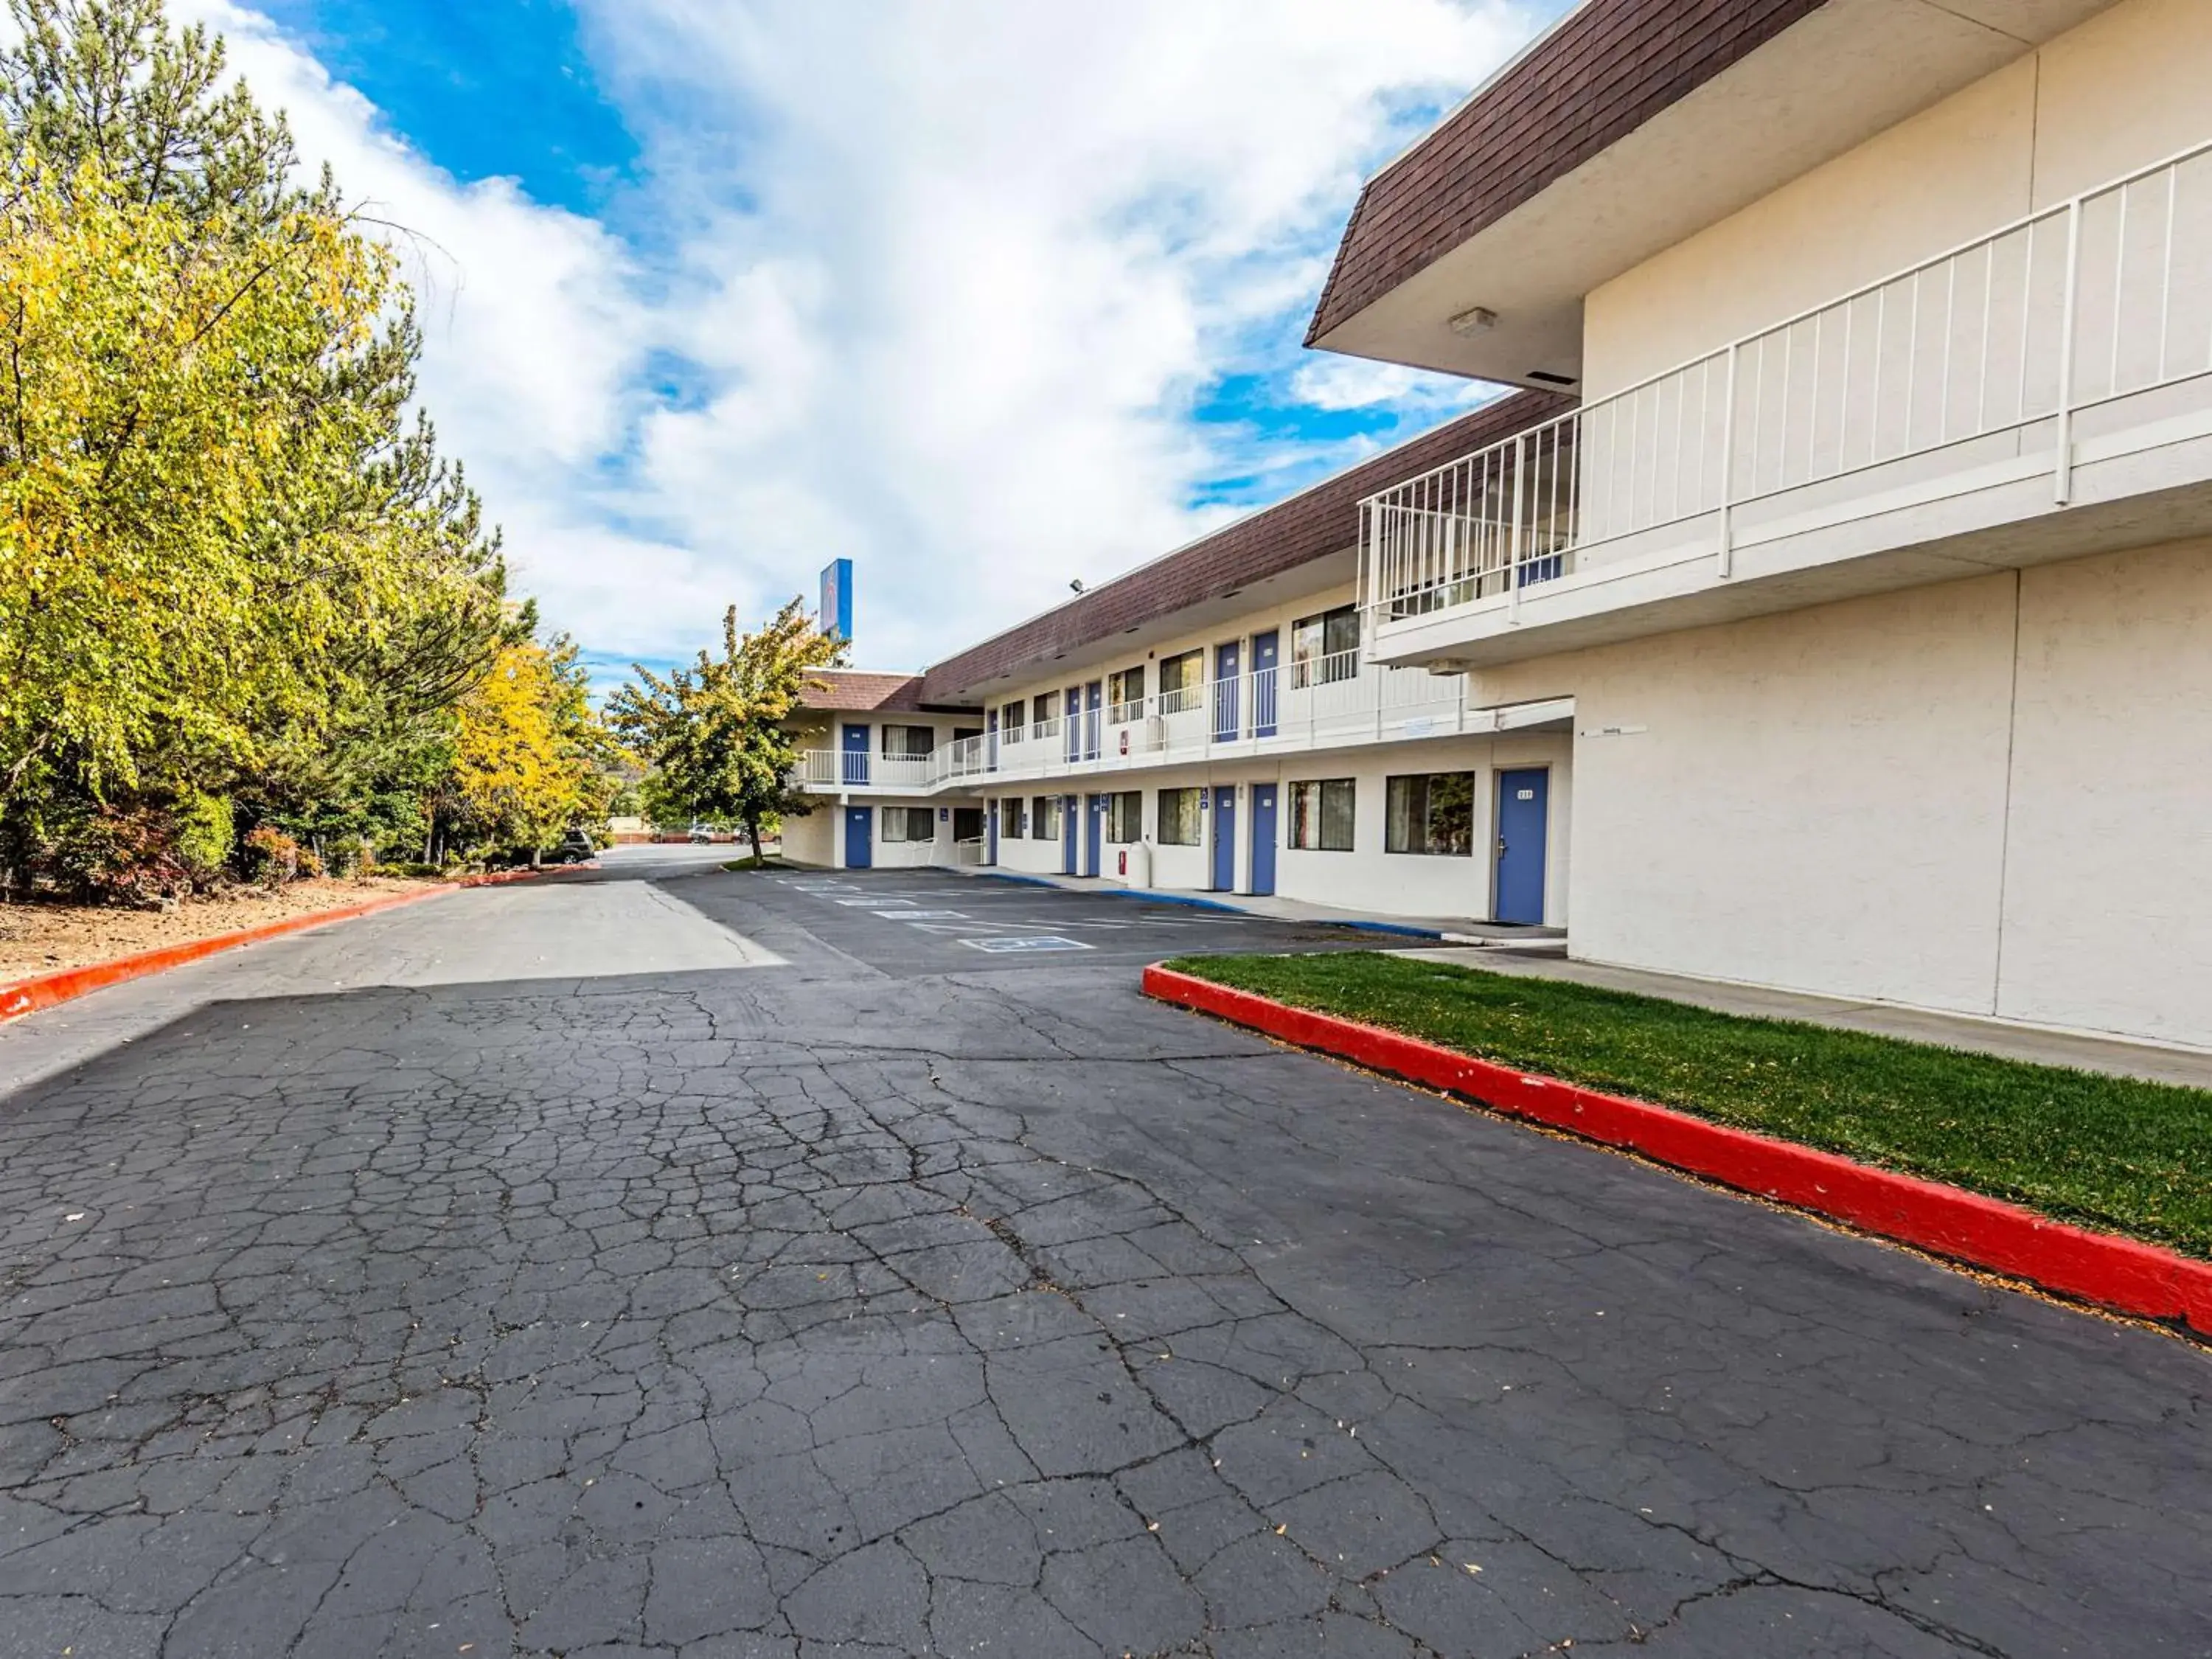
(1228, 718)
(1523, 799)
(1263, 837)
(854, 767)
(1263, 684)
(1072, 718)
(1067, 834)
(1094, 833)
(859, 836)
(991, 835)
(991, 742)
(1093, 698)
(1225, 838)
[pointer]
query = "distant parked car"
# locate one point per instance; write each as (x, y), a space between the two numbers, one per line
(575, 848)
(700, 835)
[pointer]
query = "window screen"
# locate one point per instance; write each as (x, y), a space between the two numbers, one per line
(1326, 647)
(1124, 815)
(1180, 679)
(1178, 817)
(1432, 814)
(909, 823)
(1322, 814)
(1125, 687)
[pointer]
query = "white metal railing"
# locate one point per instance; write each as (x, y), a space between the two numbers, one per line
(1337, 666)
(967, 757)
(2101, 297)
(860, 769)
(1336, 698)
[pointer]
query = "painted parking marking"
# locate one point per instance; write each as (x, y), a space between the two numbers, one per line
(1000, 946)
(923, 915)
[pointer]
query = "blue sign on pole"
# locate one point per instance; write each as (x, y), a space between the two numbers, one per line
(836, 618)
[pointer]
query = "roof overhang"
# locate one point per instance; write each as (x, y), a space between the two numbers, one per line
(1663, 117)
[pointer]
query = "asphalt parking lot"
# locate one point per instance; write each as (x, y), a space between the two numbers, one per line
(666, 1263)
(909, 922)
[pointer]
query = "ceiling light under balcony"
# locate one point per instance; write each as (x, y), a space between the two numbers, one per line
(1480, 320)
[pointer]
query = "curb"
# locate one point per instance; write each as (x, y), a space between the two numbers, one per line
(29, 996)
(2114, 1272)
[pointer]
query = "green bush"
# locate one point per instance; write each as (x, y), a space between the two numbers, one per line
(204, 835)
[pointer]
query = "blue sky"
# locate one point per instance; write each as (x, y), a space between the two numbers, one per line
(982, 295)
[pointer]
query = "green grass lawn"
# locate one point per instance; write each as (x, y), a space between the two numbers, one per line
(2110, 1152)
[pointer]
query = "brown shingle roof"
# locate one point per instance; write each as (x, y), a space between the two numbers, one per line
(1609, 67)
(1319, 521)
(856, 689)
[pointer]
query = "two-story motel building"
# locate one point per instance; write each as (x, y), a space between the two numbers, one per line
(1831, 610)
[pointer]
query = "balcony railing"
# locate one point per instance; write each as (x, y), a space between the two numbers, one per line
(2099, 298)
(1308, 703)
(859, 769)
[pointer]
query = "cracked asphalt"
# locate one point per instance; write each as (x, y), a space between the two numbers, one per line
(545, 1271)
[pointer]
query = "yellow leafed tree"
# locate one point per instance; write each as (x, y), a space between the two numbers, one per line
(530, 755)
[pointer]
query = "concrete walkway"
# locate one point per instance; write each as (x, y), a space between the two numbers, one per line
(1448, 929)
(2089, 1053)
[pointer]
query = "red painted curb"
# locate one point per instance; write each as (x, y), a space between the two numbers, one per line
(29, 996)
(2114, 1272)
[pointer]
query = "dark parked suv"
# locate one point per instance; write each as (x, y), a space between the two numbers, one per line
(576, 847)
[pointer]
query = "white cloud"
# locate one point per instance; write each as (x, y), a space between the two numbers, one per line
(1341, 383)
(954, 273)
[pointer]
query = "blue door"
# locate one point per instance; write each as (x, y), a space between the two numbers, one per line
(1094, 833)
(1067, 834)
(1522, 799)
(1228, 718)
(859, 836)
(991, 835)
(1093, 699)
(854, 767)
(991, 742)
(1225, 838)
(1073, 720)
(1263, 837)
(1263, 684)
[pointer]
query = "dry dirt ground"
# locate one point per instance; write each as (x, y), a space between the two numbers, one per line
(38, 938)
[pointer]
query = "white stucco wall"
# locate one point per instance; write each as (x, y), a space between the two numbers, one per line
(808, 840)
(2108, 906)
(2123, 90)
(1031, 856)
(1854, 799)
(1813, 800)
